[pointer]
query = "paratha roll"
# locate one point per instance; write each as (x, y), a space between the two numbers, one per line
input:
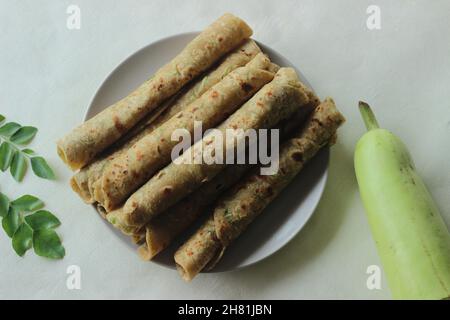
(80, 184)
(84, 181)
(244, 202)
(202, 248)
(134, 167)
(80, 146)
(160, 232)
(276, 101)
(237, 58)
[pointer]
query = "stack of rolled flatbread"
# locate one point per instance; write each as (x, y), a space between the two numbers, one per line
(221, 79)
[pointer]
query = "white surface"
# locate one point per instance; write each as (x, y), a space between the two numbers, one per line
(280, 222)
(48, 75)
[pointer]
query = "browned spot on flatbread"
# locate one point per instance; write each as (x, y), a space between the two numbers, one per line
(167, 190)
(246, 87)
(248, 54)
(297, 156)
(119, 126)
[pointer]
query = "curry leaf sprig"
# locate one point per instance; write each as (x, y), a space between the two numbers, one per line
(29, 226)
(13, 137)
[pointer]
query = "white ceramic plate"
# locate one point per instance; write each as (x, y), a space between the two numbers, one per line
(281, 221)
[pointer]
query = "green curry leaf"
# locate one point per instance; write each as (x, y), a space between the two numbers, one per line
(27, 203)
(42, 219)
(22, 239)
(47, 244)
(41, 168)
(6, 155)
(19, 166)
(24, 135)
(8, 129)
(4, 205)
(11, 222)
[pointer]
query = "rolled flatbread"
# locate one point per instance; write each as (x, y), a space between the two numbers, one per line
(85, 183)
(159, 233)
(237, 58)
(80, 146)
(244, 202)
(134, 167)
(80, 184)
(276, 101)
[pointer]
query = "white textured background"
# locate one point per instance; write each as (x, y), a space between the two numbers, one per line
(48, 75)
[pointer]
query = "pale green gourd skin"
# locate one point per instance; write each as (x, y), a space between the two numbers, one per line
(411, 237)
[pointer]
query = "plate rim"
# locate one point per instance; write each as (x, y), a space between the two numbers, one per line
(324, 177)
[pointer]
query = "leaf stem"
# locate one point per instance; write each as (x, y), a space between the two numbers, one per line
(368, 116)
(15, 147)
